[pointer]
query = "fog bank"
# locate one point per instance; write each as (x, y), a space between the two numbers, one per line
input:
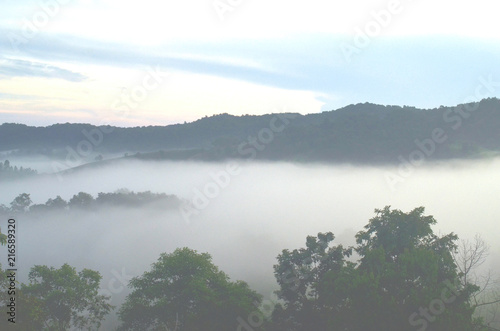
(242, 214)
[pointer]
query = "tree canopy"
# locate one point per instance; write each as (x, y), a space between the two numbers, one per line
(68, 298)
(399, 276)
(184, 290)
(405, 279)
(55, 299)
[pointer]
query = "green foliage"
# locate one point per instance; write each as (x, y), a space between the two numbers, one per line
(298, 273)
(55, 300)
(184, 290)
(29, 310)
(405, 279)
(66, 299)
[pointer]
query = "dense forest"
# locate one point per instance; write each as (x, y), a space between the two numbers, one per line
(361, 133)
(399, 276)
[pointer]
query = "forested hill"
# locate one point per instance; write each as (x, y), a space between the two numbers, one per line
(362, 133)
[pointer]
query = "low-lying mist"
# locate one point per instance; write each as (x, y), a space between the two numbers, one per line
(243, 214)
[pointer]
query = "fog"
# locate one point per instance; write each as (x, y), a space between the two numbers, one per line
(244, 214)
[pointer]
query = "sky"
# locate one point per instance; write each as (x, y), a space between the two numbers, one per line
(148, 62)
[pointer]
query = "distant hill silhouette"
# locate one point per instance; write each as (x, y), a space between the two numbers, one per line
(362, 133)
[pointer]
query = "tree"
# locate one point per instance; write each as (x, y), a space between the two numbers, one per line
(405, 279)
(30, 314)
(21, 203)
(57, 203)
(81, 200)
(52, 204)
(412, 267)
(184, 290)
(468, 257)
(68, 299)
(298, 273)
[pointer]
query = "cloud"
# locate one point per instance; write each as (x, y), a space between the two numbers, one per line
(280, 45)
(22, 68)
(383, 72)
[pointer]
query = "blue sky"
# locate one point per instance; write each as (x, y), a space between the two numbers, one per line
(162, 62)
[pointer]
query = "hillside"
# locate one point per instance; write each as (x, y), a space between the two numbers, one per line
(362, 133)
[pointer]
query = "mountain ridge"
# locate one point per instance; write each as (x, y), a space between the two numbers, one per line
(360, 133)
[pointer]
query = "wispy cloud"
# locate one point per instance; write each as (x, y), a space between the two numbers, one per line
(21, 68)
